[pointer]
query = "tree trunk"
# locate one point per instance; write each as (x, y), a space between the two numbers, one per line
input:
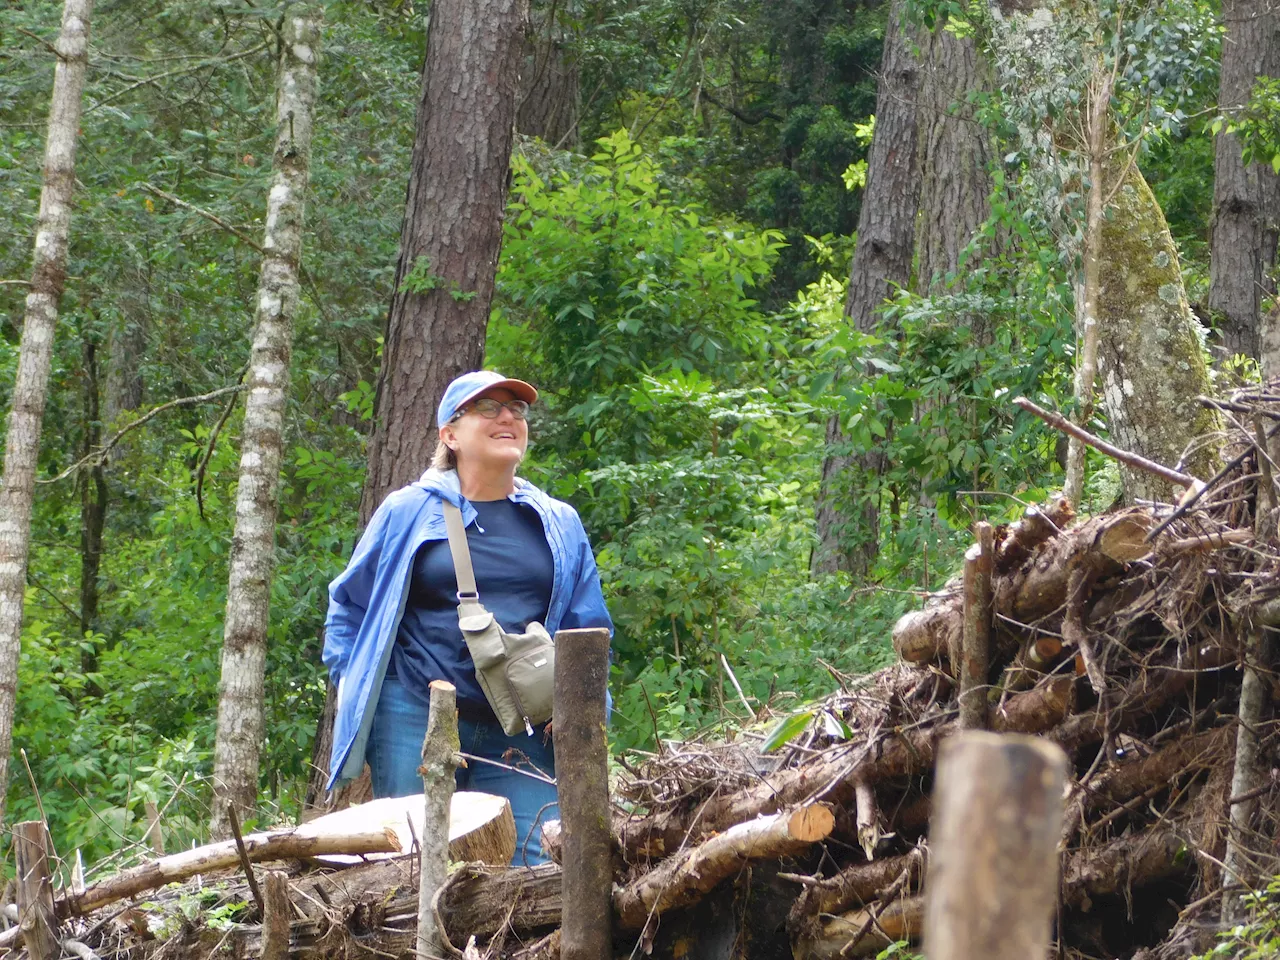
(549, 76)
(881, 261)
(1247, 854)
(128, 342)
(244, 645)
(93, 508)
(452, 230)
(1246, 200)
(48, 276)
(1150, 349)
(954, 158)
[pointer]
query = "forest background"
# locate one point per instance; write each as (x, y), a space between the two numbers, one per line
(686, 192)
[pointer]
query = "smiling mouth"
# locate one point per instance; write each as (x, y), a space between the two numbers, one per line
(504, 436)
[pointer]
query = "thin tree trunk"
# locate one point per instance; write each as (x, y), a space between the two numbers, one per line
(881, 261)
(1246, 200)
(1242, 868)
(93, 509)
(1097, 118)
(1149, 347)
(452, 229)
(439, 763)
(244, 645)
(48, 276)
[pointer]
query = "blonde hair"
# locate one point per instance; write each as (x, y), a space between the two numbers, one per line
(443, 458)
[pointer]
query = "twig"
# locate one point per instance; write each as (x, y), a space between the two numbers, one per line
(99, 456)
(173, 73)
(737, 686)
(244, 860)
(74, 615)
(15, 283)
(1062, 424)
(213, 441)
(212, 217)
(1204, 488)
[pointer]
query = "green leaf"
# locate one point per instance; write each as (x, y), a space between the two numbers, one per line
(787, 730)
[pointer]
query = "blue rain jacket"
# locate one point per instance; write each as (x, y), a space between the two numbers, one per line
(367, 600)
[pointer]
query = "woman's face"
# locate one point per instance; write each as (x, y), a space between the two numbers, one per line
(497, 444)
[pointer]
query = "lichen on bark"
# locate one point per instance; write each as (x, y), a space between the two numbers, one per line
(1151, 347)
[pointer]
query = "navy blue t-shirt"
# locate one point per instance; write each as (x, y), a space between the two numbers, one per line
(514, 576)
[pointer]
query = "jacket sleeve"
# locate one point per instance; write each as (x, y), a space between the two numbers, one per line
(586, 605)
(349, 595)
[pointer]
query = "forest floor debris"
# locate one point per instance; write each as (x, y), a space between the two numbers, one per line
(1126, 638)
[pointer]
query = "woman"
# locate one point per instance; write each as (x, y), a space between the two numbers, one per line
(393, 626)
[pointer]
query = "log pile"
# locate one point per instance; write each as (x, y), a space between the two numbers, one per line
(1126, 639)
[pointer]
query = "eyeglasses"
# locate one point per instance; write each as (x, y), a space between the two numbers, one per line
(489, 408)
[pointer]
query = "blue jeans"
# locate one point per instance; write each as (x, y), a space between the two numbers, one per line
(395, 752)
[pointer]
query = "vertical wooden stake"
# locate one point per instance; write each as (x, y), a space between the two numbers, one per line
(440, 761)
(1250, 771)
(582, 673)
(276, 916)
(992, 881)
(975, 654)
(155, 835)
(35, 890)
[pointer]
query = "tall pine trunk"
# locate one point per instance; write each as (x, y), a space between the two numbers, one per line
(1246, 200)
(1150, 351)
(548, 106)
(452, 229)
(48, 276)
(954, 157)
(847, 540)
(244, 644)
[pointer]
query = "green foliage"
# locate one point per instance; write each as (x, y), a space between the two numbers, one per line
(1258, 937)
(1257, 125)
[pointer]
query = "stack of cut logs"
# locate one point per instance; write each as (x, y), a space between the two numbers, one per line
(1138, 641)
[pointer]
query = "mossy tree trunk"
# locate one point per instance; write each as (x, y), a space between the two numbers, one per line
(1151, 348)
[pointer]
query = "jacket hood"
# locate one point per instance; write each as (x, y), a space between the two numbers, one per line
(446, 484)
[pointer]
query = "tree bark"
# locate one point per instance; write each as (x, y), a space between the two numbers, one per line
(975, 652)
(277, 914)
(993, 867)
(881, 262)
(35, 890)
(549, 78)
(1150, 347)
(685, 879)
(1241, 867)
(439, 763)
(48, 277)
(244, 647)
(954, 159)
(582, 775)
(1246, 200)
(452, 230)
(1097, 123)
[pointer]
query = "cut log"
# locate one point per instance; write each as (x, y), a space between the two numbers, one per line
(479, 898)
(291, 843)
(832, 776)
(1032, 590)
(856, 885)
(1116, 867)
(682, 880)
(277, 915)
(864, 932)
(993, 866)
(480, 826)
(1016, 542)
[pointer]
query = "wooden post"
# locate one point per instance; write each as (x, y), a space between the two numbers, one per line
(439, 763)
(582, 673)
(1249, 773)
(35, 891)
(975, 654)
(992, 881)
(276, 916)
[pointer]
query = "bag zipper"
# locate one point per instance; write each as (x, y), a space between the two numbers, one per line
(528, 727)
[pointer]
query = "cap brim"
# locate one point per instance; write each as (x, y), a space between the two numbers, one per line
(523, 391)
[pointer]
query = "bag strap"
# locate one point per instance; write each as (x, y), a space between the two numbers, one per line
(461, 554)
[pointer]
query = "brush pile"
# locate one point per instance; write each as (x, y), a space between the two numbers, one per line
(1138, 641)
